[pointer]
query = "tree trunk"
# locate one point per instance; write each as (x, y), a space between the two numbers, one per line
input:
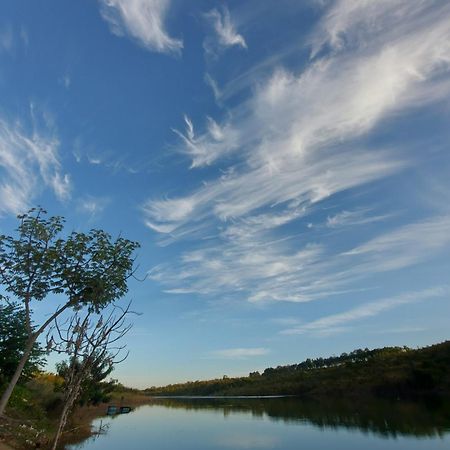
(12, 384)
(65, 413)
(26, 354)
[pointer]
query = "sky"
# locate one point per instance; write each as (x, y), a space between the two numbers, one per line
(284, 165)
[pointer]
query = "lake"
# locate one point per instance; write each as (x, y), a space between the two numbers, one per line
(276, 423)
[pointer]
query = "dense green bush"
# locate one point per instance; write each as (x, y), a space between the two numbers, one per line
(13, 337)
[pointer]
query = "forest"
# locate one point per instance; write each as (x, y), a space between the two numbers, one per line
(398, 372)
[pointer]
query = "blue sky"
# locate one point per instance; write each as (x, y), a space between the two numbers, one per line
(284, 165)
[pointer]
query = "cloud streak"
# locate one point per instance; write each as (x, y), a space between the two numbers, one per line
(247, 265)
(239, 353)
(308, 117)
(226, 34)
(303, 138)
(337, 322)
(352, 218)
(143, 20)
(29, 160)
(92, 206)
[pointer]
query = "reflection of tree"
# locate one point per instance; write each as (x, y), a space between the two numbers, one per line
(381, 417)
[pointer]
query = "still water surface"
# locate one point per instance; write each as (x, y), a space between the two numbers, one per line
(276, 423)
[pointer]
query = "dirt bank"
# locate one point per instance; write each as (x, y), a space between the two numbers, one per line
(4, 446)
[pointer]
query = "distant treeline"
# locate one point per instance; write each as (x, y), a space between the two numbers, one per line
(388, 371)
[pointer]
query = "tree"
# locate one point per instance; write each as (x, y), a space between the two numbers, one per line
(89, 270)
(13, 337)
(91, 343)
(94, 389)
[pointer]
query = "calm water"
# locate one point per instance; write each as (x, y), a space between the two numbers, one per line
(277, 423)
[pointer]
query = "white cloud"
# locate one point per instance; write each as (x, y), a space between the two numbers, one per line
(404, 246)
(6, 39)
(336, 322)
(143, 20)
(226, 33)
(65, 81)
(352, 218)
(23, 33)
(349, 23)
(29, 160)
(12, 38)
(239, 353)
(61, 184)
(94, 160)
(293, 120)
(212, 83)
(205, 149)
(171, 212)
(251, 264)
(300, 138)
(92, 206)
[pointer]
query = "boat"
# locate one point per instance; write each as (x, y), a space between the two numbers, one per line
(113, 409)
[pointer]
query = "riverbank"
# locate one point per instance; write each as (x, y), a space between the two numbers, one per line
(4, 446)
(21, 431)
(390, 372)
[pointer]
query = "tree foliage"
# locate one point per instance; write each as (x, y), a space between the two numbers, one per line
(85, 269)
(389, 371)
(88, 268)
(94, 389)
(13, 337)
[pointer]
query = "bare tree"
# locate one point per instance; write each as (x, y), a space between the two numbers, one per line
(90, 340)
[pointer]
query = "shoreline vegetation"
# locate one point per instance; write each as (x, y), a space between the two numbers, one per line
(396, 372)
(390, 372)
(88, 273)
(23, 430)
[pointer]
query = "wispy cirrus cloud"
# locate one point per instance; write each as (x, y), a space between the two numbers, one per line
(299, 139)
(352, 24)
(404, 246)
(250, 266)
(338, 322)
(6, 38)
(65, 80)
(143, 20)
(226, 34)
(212, 83)
(307, 117)
(218, 140)
(239, 353)
(92, 206)
(29, 161)
(12, 38)
(351, 218)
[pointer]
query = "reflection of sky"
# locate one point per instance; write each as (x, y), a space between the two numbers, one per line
(158, 427)
(247, 441)
(284, 164)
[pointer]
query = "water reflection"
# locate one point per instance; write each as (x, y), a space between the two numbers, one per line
(278, 424)
(388, 418)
